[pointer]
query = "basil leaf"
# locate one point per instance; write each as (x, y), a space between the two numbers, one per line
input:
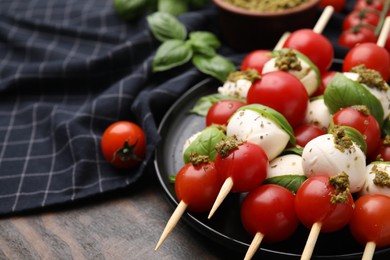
(204, 42)
(216, 66)
(171, 54)
(204, 103)
(173, 7)
(386, 127)
(166, 27)
(205, 143)
(291, 182)
(293, 150)
(273, 115)
(343, 92)
(130, 9)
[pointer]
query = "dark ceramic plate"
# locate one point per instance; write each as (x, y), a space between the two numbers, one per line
(225, 226)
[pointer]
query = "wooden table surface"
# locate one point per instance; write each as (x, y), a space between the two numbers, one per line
(121, 225)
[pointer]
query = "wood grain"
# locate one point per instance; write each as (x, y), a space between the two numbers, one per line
(122, 225)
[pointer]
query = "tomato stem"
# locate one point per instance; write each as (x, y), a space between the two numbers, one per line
(126, 153)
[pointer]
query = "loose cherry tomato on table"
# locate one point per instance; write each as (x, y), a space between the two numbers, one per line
(221, 111)
(357, 17)
(370, 220)
(283, 92)
(356, 35)
(314, 203)
(371, 55)
(256, 60)
(306, 132)
(123, 144)
(269, 209)
(338, 5)
(309, 43)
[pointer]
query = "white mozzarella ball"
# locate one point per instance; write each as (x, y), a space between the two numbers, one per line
(251, 126)
(369, 186)
(321, 157)
(318, 114)
(190, 140)
(238, 89)
(288, 164)
(306, 75)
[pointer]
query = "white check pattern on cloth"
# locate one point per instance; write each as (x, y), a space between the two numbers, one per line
(68, 69)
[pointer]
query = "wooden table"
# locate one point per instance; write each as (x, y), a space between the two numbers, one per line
(122, 225)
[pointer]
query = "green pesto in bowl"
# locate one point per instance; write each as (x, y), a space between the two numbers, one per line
(266, 5)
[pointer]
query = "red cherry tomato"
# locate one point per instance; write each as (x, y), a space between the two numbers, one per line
(269, 209)
(309, 43)
(370, 220)
(256, 60)
(221, 111)
(282, 92)
(198, 186)
(382, 151)
(358, 17)
(369, 4)
(326, 77)
(372, 56)
(338, 5)
(306, 132)
(356, 35)
(313, 204)
(366, 124)
(247, 166)
(123, 144)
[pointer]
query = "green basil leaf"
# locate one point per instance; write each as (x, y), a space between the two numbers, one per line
(205, 143)
(204, 42)
(204, 103)
(386, 127)
(166, 27)
(291, 182)
(356, 137)
(293, 150)
(343, 92)
(273, 115)
(216, 66)
(130, 9)
(173, 7)
(171, 54)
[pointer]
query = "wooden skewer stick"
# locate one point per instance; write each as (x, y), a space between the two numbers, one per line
(384, 33)
(283, 38)
(254, 246)
(369, 251)
(324, 19)
(172, 222)
(311, 241)
(225, 189)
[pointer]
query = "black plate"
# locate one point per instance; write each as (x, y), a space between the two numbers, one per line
(225, 226)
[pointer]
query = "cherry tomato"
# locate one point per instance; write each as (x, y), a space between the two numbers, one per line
(313, 204)
(326, 77)
(309, 43)
(365, 123)
(356, 35)
(123, 144)
(283, 92)
(221, 111)
(372, 56)
(306, 132)
(247, 165)
(358, 17)
(338, 5)
(256, 60)
(370, 220)
(382, 151)
(269, 209)
(369, 4)
(198, 186)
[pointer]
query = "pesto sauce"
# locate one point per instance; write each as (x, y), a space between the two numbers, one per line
(266, 5)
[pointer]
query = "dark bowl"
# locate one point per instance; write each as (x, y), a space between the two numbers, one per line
(246, 30)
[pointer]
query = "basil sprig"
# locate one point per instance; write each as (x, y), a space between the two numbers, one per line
(343, 92)
(176, 49)
(204, 144)
(274, 116)
(291, 182)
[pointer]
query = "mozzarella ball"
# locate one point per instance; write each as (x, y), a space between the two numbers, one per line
(371, 172)
(318, 114)
(238, 89)
(288, 164)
